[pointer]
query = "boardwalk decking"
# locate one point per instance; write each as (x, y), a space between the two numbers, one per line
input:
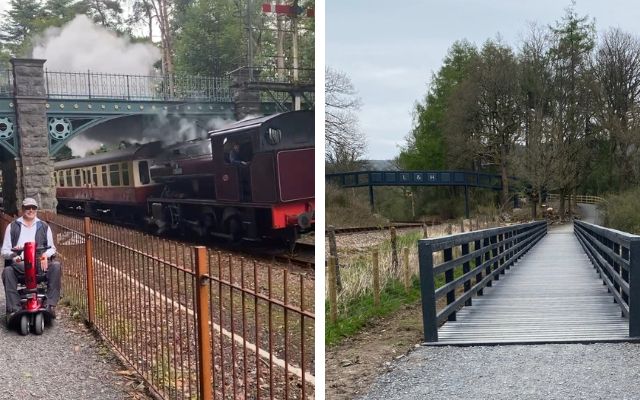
(552, 295)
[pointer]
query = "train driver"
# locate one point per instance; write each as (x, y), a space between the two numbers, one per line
(29, 228)
(234, 155)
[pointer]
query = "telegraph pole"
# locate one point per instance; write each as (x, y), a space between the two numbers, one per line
(294, 28)
(249, 41)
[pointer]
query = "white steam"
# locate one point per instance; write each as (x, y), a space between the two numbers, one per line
(81, 45)
(135, 129)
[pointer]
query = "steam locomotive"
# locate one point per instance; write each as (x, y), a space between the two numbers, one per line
(251, 180)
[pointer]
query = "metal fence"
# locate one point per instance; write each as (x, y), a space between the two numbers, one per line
(94, 85)
(579, 198)
(616, 257)
(494, 251)
(274, 74)
(6, 83)
(192, 322)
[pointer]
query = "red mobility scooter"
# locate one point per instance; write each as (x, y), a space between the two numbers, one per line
(33, 312)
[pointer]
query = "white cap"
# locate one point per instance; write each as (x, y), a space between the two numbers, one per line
(29, 201)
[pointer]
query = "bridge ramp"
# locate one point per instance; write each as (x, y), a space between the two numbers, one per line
(552, 295)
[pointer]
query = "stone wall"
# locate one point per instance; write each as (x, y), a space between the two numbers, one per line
(246, 102)
(34, 167)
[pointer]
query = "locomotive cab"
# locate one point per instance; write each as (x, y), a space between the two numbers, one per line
(255, 182)
(268, 163)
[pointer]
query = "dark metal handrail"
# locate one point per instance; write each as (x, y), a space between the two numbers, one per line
(494, 251)
(616, 256)
(94, 85)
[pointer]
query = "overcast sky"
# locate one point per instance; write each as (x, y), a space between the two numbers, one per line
(390, 49)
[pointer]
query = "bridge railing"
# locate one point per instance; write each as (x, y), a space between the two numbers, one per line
(616, 257)
(481, 257)
(94, 85)
(6, 83)
(579, 198)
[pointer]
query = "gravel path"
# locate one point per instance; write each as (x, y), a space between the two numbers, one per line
(561, 371)
(63, 363)
(590, 213)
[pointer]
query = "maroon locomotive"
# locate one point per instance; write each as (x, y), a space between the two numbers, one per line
(252, 179)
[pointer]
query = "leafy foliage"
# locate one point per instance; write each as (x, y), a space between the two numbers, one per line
(621, 211)
(560, 112)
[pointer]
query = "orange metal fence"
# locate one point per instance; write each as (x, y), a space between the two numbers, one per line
(192, 322)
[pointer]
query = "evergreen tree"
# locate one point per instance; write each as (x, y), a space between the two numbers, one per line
(426, 148)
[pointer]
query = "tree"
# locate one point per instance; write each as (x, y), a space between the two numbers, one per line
(617, 71)
(107, 13)
(345, 144)
(532, 157)
(426, 147)
(485, 114)
(20, 23)
(212, 40)
(572, 101)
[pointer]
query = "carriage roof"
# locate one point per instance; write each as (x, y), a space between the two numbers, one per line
(130, 153)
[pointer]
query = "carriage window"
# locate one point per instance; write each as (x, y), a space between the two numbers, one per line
(114, 175)
(55, 177)
(125, 174)
(84, 177)
(61, 178)
(67, 174)
(143, 171)
(77, 179)
(105, 182)
(94, 175)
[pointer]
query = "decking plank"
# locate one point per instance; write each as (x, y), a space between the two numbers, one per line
(553, 294)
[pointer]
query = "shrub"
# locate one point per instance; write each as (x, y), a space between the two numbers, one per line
(622, 211)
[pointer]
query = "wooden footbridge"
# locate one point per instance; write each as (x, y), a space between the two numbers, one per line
(527, 284)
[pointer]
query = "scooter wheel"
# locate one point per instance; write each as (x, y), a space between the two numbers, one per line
(24, 325)
(38, 324)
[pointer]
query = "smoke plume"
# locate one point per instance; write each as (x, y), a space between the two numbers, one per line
(81, 45)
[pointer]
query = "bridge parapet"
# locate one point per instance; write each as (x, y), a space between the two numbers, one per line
(93, 85)
(616, 257)
(494, 251)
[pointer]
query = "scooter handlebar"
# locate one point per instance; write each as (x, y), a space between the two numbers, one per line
(19, 250)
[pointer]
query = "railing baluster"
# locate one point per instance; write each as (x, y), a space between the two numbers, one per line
(448, 277)
(466, 267)
(427, 291)
(493, 249)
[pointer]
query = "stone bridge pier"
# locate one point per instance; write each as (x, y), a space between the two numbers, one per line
(31, 173)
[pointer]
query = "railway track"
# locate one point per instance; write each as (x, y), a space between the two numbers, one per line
(362, 229)
(303, 254)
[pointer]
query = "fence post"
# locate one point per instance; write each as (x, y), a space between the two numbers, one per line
(333, 251)
(376, 278)
(202, 310)
(394, 249)
(89, 82)
(634, 288)
(333, 297)
(425, 230)
(427, 291)
(407, 272)
(88, 249)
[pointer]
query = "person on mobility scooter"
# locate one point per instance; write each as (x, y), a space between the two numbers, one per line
(29, 228)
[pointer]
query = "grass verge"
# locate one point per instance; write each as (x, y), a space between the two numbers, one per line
(361, 311)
